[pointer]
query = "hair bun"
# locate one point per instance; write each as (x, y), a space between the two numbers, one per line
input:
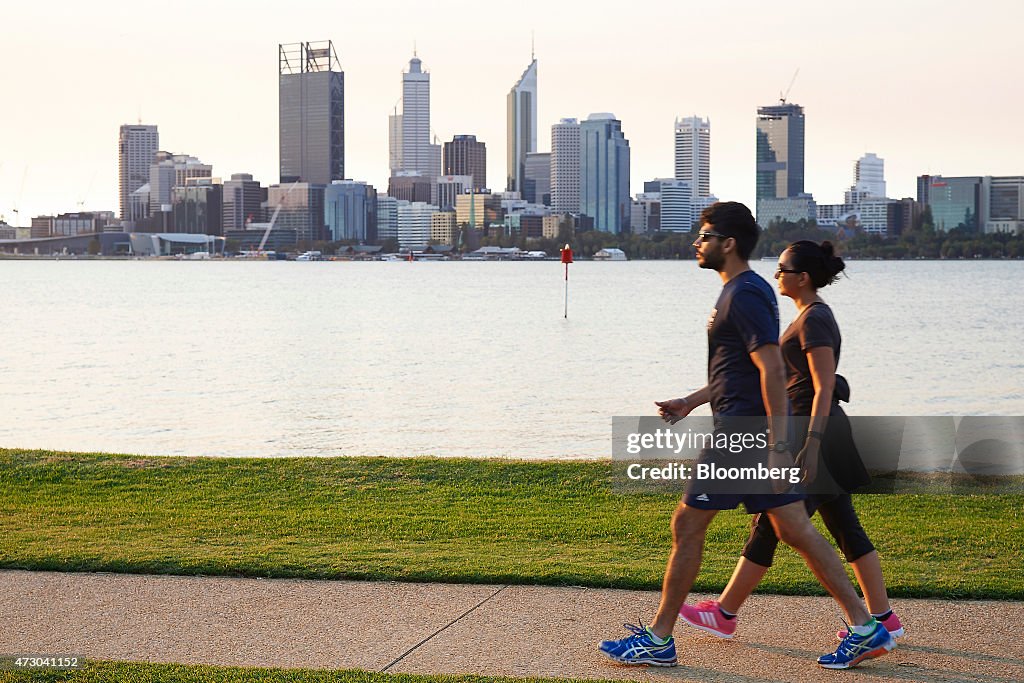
(833, 264)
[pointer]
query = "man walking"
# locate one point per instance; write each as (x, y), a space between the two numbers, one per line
(746, 378)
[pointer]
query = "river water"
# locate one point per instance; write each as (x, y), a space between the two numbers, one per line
(448, 359)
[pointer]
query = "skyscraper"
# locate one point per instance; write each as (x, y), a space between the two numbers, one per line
(136, 148)
(780, 151)
(416, 151)
(565, 166)
(311, 92)
(604, 173)
(522, 126)
(693, 154)
(464, 155)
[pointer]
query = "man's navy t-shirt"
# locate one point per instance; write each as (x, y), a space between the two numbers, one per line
(745, 318)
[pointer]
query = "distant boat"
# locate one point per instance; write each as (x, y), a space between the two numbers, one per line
(610, 255)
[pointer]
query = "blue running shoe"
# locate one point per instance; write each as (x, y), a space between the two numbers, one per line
(854, 649)
(640, 648)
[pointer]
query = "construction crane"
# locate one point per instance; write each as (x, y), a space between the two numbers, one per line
(784, 95)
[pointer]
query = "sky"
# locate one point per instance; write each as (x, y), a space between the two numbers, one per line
(931, 87)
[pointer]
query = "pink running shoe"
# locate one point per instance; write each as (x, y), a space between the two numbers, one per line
(706, 617)
(892, 625)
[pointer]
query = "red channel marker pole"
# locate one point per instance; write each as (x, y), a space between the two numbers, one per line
(566, 259)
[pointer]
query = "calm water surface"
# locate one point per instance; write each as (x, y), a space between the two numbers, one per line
(451, 359)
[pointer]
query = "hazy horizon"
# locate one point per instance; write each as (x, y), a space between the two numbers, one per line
(901, 80)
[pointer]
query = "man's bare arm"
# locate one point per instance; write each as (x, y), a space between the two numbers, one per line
(768, 359)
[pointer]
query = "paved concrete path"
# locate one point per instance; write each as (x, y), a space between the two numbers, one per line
(487, 630)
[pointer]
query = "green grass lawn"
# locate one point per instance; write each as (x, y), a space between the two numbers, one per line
(449, 520)
(123, 672)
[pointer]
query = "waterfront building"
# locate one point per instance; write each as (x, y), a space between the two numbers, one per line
(645, 216)
(169, 171)
(136, 148)
(138, 206)
(693, 154)
(41, 226)
(350, 211)
(414, 223)
(387, 217)
(522, 126)
(478, 211)
(677, 205)
(311, 107)
(780, 152)
(301, 209)
(197, 207)
(537, 178)
(78, 223)
(465, 156)
(442, 227)
(243, 200)
(604, 173)
(957, 202)
(786, 209)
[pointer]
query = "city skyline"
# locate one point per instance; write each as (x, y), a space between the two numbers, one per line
(902, 109)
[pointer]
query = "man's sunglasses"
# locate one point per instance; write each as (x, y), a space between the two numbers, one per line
(705, 235)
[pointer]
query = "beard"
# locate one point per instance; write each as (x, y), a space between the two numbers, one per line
(713, 260)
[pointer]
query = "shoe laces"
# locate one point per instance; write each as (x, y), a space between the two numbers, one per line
(637, 631)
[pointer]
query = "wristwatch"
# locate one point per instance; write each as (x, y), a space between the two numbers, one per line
(779, 447)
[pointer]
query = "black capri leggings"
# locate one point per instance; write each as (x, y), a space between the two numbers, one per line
(839, 516)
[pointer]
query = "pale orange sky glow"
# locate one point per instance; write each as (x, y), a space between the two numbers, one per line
(930, 87)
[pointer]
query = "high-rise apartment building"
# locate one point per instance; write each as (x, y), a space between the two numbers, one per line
(464, 155)
(604, 173)
(137, 146)
(311, 99)
(869, 176)
(243, 201)
(780, 151)
(522, 126)
(693, 154)
(565, 166)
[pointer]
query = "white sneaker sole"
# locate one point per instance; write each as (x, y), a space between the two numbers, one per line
(706, 629)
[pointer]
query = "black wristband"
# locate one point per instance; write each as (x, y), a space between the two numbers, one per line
(815, 435)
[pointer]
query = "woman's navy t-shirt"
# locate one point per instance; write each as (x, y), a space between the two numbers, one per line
(745, 318)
